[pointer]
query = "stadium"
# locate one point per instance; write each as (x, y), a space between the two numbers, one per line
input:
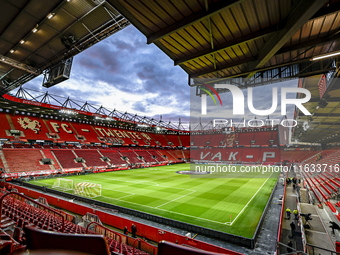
(254, 169)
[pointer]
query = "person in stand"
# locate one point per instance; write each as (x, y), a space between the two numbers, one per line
(334, 226)
(125, 230)
(289, 249)
(288, 211)
(133, 230)
(298, 188)
(292, 228)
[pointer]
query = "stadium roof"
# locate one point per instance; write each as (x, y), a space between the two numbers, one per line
(221, 39)
(36, 35)
(47, 104)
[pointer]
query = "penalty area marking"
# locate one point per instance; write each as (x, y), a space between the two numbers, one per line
(231, 223)
(130, 194)
(193, 191)
(44, 183)
(156, 184)
(169, 170)
(128, 181)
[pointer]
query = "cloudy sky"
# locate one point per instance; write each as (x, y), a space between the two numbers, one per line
(124, 73)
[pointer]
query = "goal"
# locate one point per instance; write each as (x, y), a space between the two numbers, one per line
(88, 189)
(63, 184)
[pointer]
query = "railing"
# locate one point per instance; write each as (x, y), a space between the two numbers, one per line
(67, 216)
(153, 248)
(294, 251)
(315, 250)
(35, 202)
(113, 235)
(282, 212)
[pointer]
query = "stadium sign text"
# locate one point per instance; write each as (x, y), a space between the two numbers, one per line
(238, 100)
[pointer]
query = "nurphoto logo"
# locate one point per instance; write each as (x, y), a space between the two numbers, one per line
(238, 100)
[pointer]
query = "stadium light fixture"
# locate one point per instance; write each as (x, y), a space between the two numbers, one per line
(35, 29)
(22, 41)
(50, 15)
(326, 56)
(11, 51)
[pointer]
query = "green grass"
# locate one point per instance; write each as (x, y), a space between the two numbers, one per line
(207, 201)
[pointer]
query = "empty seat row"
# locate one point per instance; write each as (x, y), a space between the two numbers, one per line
(15, 211)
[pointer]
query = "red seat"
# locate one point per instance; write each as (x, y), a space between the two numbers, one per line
(38, 239)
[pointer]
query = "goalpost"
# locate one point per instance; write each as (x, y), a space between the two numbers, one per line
(63, 184)
(88, 189)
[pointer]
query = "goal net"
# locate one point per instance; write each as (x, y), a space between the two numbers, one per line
(63, 184)
(88, 189)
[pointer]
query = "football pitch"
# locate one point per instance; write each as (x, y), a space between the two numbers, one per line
(229, 204)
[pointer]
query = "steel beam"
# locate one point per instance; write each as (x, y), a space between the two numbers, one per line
(195, 17)
(301, 12)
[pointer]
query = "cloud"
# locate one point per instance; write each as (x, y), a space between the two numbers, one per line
(124, 73)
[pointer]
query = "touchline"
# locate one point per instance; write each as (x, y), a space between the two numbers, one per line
(238, 100)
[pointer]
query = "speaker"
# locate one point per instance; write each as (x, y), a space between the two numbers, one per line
(105, 159)
(46, 161)
(79, 160)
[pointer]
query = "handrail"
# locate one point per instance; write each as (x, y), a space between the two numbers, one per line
(282, 212)
(32, 200)
(106, 229)
(320, 248)
(140, 240)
